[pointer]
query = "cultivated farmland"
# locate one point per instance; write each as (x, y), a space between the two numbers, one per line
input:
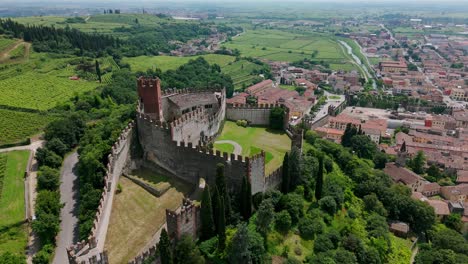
(6, 42)
(16, 126)
(241, 72)
(40, 84)
(286, 46)
(143, 63)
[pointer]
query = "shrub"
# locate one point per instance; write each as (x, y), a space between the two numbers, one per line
(48, 178)
(283, 221)
(328, 204)
(308, 227)
(242, 123)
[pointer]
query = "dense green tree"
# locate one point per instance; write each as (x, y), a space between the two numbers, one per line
(417, 163)
(283, 222)
(294, 166)
(363, 146)
(436, 256)
(246, 246)
(372, 204)
(98, 71)
(285, 178)
(187, 252)
(164, 248)
(380, 159)
(57, 146)
(265, 216)
(319, 180)
(454, 222)
(309, 228)
(277, 118)
(215, 201)
(46, 157)
(48, 178)
(328, 205)
(343, 256)
(206, 215)
(350, 132)
(323, 243)
(293, 203)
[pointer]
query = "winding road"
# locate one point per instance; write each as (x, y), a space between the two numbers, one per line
(237, 147)
(69, 215)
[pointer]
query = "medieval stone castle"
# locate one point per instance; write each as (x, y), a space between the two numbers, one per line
(175, 129)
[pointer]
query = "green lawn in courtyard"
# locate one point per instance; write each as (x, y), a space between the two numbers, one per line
(224, 147)
(254, 139)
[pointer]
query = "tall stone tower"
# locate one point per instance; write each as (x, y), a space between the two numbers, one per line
(402, 155)
(149, 91)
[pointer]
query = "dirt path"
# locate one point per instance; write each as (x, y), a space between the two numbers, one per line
(237, 147)
(5, 54)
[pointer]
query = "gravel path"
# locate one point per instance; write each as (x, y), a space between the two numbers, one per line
(237, 147)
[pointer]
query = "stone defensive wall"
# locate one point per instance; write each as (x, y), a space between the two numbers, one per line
(190, 162)
(92, 250)
(184, 220)
(256, 115)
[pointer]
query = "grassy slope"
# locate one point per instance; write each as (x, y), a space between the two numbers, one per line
(240, 72)
(252, 139)
(136, 216)
(13, 233)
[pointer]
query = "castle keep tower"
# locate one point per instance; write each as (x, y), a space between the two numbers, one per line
(149, 91)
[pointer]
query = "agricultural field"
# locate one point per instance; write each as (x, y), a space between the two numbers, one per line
(16, 126)
(6, 42)
(286, 46)
(18, 52)
(241, 72)
(255, 139)
(13, 229)
(136, 217)
(41, 83)
(104, 24)
(143, 63)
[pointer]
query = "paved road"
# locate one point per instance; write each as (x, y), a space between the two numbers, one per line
(237, 147)
(69, 196)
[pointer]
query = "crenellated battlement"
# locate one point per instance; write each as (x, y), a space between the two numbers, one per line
(259, 106)
(174, 91)
(156, 123)
(91, 250)
(197, 114)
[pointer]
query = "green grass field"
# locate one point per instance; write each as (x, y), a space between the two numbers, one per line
(13, 231)
(143, 63)
(40, 83)
(18, 52)
(255, 139)
(15, 126)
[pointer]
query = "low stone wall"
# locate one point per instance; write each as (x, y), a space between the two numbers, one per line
(91, 251)
(147, 187)
(256, 115)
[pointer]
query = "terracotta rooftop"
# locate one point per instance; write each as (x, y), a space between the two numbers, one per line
(462, 176)
(440, 207)
(400, 174)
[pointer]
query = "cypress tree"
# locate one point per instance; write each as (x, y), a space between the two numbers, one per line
(222, 189)
(164, 248)
(319, 181)
(246, 199)
(221, 226)
(98, 71)
(206, 215)
(294, 168)
(285, 182)
(215, 202)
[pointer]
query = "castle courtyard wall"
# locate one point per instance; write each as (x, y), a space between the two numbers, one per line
(258, 116)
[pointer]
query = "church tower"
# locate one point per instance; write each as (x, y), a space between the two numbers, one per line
(402, 155)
